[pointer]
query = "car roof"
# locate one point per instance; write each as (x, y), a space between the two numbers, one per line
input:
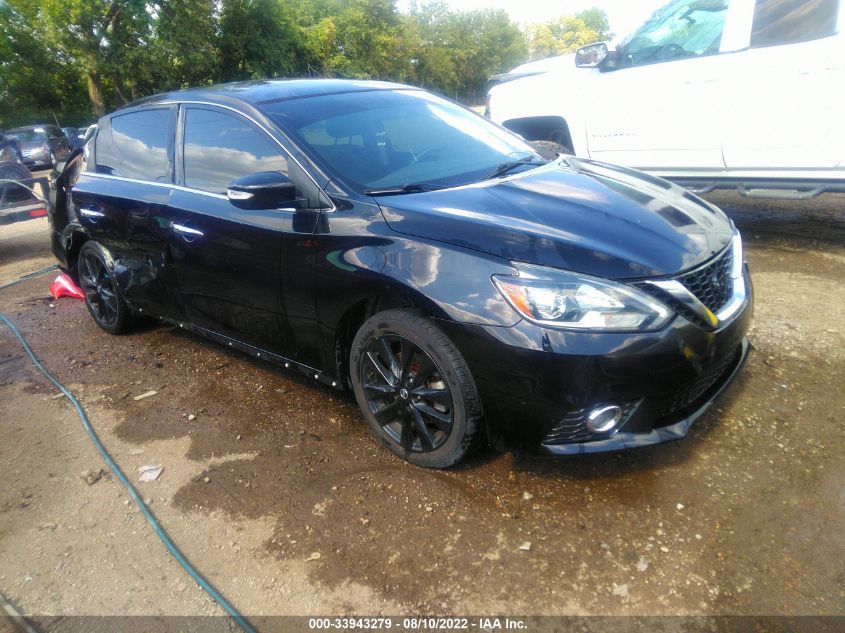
(263, 91)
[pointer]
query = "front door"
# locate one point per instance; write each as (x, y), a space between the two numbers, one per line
(228, 261)
(661, 107)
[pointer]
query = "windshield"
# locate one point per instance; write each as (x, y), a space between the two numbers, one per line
(384, 139)
(682, 28)
(27, 136)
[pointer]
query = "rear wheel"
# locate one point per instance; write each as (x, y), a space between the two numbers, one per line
(415, 389)
(102, 295)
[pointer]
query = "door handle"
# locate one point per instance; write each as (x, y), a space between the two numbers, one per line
(188, 233)
(91, 212)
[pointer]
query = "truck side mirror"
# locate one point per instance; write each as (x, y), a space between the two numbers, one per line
(591, 55)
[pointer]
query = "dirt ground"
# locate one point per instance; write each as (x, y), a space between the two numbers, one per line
(275, 489)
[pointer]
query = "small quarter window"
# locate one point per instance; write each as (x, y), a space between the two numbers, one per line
(220, 148)
(137, 145)
(791, 21)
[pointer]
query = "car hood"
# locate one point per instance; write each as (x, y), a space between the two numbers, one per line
(573, 214)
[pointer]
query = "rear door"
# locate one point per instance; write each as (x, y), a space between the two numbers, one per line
(229, 261)
(121, 200)
(787, 89)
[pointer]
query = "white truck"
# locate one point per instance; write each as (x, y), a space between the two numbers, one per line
(745, 94)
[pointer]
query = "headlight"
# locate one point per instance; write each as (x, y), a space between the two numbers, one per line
(561, 299)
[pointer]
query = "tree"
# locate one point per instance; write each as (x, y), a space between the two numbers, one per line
(184, 49)
(36, 80)
(259, 39)
(568, 33)
(456, 53)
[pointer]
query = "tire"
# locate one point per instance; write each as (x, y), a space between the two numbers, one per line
(9, 192)
(551, 150)
(428, 381)
(103, 297)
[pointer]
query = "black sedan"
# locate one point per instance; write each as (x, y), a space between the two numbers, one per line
(382, 239)
(41, 145)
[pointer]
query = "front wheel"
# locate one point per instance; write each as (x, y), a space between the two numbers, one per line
(415, 389)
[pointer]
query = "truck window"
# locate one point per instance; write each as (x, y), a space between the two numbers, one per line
(681, 29)
(790, 21)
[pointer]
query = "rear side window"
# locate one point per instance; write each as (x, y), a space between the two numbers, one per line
(790, 21)
(137, 145)
(220, 148)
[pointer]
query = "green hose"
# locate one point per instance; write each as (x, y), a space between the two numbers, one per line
(151, 519)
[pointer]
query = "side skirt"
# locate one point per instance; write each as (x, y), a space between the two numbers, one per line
(315, 374)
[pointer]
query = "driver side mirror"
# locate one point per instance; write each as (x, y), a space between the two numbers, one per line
(262, 190)
(591, 55)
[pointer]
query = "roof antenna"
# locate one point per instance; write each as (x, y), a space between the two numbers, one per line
(56, 119)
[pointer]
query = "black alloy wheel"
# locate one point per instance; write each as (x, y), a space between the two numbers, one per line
(415, 389)
(102, 296)
(406, 393)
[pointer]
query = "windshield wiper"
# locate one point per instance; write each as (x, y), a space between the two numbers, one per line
(506, 168)
(398, 191)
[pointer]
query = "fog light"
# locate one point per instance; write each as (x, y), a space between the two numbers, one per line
(604, 419)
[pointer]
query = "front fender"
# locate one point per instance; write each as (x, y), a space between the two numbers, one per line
(358, 258)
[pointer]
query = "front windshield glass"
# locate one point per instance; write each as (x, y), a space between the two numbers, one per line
(384, 139)
(680, 29)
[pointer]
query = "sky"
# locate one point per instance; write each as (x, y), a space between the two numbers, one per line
(624, 15)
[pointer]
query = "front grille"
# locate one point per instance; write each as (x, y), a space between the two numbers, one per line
(692, 391)
(573, 426)
(712, 284)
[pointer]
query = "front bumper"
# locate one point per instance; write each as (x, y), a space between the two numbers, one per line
(537, 384)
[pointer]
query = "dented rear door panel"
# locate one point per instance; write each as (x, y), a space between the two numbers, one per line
(130, 220)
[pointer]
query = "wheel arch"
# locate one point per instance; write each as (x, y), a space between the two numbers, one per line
(352, 320)
(542, 128)
(73, 239)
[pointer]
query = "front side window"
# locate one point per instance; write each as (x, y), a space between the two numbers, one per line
(137, 145)
(382, 139)
(221, 147)
(682, 29)
(790, 21)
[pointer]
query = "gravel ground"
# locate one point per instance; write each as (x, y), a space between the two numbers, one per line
(274, 487)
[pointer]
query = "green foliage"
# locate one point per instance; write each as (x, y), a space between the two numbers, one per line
(568, 33)
(79, 58)
(455, 53)
(259, 39)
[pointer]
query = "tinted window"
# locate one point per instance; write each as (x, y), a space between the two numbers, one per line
(681, 29)
(789, 21)
(383, 139)
(221, 147)
(137, 145)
